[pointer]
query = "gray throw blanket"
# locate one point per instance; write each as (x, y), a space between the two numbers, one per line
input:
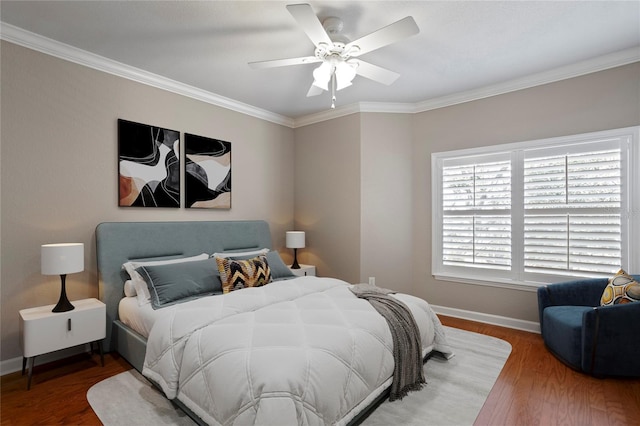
(407, 348)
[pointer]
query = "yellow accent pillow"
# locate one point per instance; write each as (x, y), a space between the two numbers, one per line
(239, 274)
(622, 288)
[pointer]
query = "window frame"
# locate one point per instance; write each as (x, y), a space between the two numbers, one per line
(517, 278)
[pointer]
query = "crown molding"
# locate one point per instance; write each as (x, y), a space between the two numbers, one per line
(326, 115)
(388, 107)
(54, 48)
(601, 63)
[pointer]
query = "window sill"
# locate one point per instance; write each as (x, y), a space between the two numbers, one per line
(501, 283)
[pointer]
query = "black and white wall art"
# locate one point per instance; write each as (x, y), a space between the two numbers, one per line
(207, 172)
(149, 165)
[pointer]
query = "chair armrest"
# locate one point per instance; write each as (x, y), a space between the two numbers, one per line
(610, 340)
(543, 302)
(585, 292)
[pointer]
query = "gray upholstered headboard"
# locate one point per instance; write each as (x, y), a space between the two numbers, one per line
(119, 242)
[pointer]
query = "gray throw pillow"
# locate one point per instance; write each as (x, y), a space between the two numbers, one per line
(179, 282)
(278, 269)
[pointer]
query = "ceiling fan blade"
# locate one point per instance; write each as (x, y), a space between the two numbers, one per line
(314, 91)
(384, 36)
(376, 73)
(311, 25)
(284, 62)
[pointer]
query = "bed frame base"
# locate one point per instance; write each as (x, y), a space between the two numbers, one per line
(129, 344)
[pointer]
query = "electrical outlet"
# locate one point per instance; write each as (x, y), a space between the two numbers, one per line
(372, 280)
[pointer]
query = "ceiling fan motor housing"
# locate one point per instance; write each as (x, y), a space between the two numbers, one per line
(333, 25)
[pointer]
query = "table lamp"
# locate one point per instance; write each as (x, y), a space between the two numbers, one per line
(295, 240)
(62, 259)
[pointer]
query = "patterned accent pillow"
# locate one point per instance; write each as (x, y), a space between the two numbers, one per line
(239, 274)
(622, 288)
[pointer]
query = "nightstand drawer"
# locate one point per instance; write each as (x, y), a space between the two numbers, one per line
(304, 270)
(45, 331)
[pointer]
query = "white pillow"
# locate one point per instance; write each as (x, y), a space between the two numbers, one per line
(139, 284)
(226, 254)
(129, 289)
(142, 291)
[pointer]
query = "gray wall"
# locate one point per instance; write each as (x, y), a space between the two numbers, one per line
(60, 170)
(386, 194)
(327, 194)
(353, 197)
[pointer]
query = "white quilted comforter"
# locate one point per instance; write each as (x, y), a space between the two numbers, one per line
(297, 352)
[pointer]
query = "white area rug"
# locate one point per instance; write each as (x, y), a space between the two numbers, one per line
(455, 392)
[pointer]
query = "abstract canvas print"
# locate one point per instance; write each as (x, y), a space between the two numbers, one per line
(149, 165)
(207, 172)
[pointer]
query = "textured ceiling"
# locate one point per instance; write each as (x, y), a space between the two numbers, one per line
(462, 46)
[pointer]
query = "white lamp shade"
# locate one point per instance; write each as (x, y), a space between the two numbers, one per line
(295, 239)
(60, 259)
(322, 76)
(345, 73)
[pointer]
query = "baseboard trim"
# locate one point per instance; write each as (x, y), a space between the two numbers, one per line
(514, 323)
(15, 364)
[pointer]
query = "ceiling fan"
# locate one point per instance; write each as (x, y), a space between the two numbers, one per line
(339, 59)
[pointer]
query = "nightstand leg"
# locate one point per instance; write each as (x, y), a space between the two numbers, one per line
(24, 364)
(30, 372)
(99, 343)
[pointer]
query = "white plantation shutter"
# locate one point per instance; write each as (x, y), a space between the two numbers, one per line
(540, 211)
(584, 180)
(472, 234)
(481, 241)
(572, 207)
(572, 243)
(477, 186)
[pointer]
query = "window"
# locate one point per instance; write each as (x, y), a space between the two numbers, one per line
(539, 211)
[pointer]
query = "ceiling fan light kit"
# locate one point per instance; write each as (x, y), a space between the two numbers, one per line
(338, 64)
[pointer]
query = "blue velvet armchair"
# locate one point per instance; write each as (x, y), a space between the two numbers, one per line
(598, 340)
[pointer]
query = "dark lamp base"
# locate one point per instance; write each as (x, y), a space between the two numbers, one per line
(63, 304)
(295, 264)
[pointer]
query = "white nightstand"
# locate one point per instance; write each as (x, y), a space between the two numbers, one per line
(305, 270)
(44, 331)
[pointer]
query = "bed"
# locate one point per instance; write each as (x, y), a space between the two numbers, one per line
(300, 350)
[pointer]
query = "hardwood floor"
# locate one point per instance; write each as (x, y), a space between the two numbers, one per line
(534, 388)
(58, 394)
